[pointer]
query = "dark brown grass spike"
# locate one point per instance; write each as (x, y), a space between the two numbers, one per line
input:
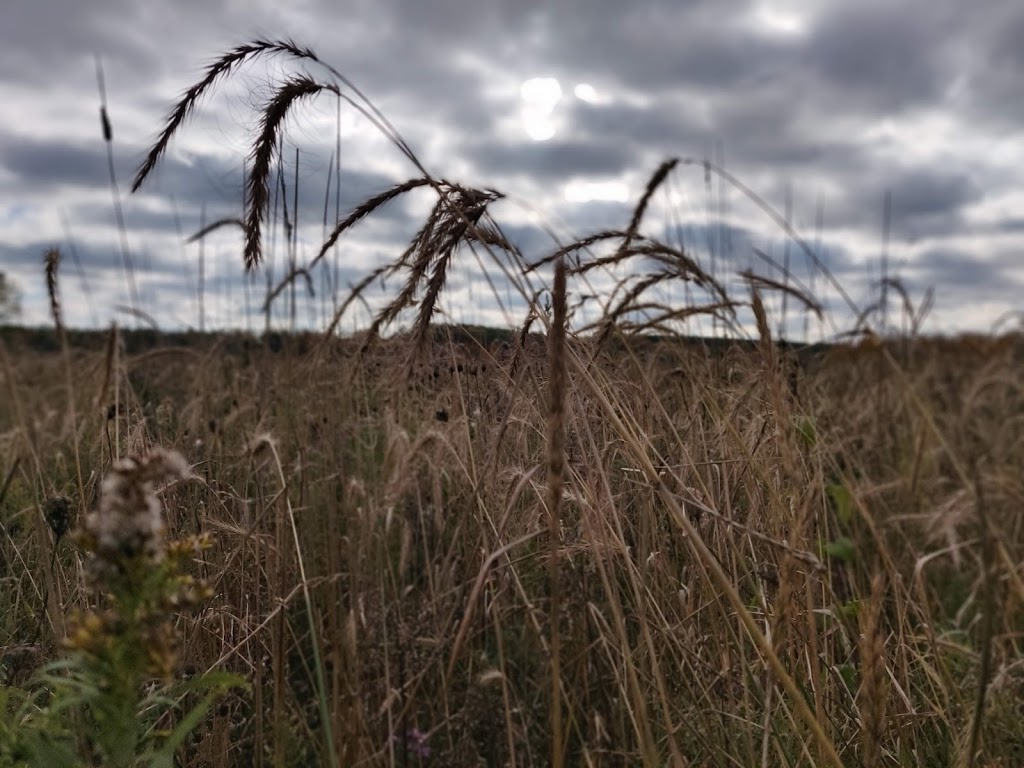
(394, 308)
(719, 309)
(462, 210)
(872, 694)
(675, 259)
(672, 258)
(262, 157)
(586, 242)
(656, 180)
(767, 282)
(519, 341)
(661, 322)
(354, 295)
(454, 216)
(419, 247)
(52, 263)
(218, 69)
(108, 365)
(627, 304)
(628, 301)
(438, 277)
(988, 606)
(219, 224)
(293, 275)
(365, 209)
(763, 331)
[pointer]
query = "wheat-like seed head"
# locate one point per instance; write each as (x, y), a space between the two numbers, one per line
(52, 262)
(222, 67)
(264, 150)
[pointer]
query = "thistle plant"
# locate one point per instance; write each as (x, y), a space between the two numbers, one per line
(113, 698)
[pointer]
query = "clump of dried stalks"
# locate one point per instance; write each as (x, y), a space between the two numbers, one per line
(458, 218)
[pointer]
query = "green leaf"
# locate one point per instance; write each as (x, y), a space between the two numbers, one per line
(842, 501)
(842, 549)
(849, 674)
(806, 430)
(215, 684)
(850, 610)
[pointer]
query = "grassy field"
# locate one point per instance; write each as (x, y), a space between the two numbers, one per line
(739, 537)
(558, 545)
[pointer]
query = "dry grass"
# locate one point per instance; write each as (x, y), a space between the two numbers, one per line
(433, 549)
(429, 585)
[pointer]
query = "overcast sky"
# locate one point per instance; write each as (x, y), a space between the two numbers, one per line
(567, 107)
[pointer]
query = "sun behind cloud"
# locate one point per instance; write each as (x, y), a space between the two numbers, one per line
(540, 96)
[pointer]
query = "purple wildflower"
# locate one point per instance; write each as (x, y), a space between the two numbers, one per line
(416, 743)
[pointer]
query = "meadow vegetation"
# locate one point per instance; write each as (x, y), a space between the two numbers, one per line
(603, 544)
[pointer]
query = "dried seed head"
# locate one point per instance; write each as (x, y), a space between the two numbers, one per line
(52, 263)
(57, 512)
(128, 525)
(260, 445)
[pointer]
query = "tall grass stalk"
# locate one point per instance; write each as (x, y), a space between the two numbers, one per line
(558, 385)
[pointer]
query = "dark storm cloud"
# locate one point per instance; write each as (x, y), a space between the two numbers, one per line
(766, 129)
(1009, 226)
(28, 259)
(993, 86)
(44, 166)
(597, 215)
(555, 160)
(926, 202)
(921, 192)
(962, 279)
(660, 125)
(774, 130)
(886, 56)
(36, 33)
(54, 42)
(651, 45)
(735, 248)
(432, 92)
(984, 276)
(676, 54)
